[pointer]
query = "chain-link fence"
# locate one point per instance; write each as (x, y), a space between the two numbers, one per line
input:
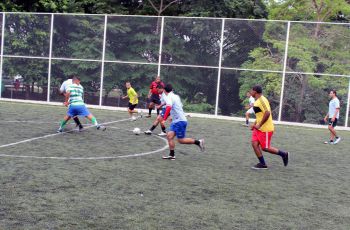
(211, 62)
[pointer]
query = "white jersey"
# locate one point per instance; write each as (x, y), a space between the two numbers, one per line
(163, 99)
(251, 101)
(65, 85)
(176, 112)
(333, 105)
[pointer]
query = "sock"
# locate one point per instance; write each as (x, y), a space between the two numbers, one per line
(157, 111)
(281, 153)
(76, 120)
(262, 160)
(336, 137)
(163, 128)
(94, 121)
(63, 123)
(247, 122)
(149, 111)
(152, 128)
(197, 142)
(172, 153)
(331, 141)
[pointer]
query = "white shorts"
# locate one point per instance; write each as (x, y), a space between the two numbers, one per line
(251, 110)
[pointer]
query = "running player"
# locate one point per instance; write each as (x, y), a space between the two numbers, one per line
(250, 108)
(332, 117)
(63, 90)
(153, 95)
(133, 100)
(159, 118)
(178, 124)
(263, 129)
(76, 107)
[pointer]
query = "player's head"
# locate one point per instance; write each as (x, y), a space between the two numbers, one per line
(248, 93)
(257, 89)
(332, 93)
(127, 84)
(157, 79)
(160, 88)
(76, 80)
(168, 88)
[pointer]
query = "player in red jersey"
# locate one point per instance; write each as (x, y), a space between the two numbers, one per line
(153, 95)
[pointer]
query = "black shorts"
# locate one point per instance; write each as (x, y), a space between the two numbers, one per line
(155, 99)
(132, 106)
(334, 123)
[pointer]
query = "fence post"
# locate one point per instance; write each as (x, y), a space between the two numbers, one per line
(103, 59)
(347, 106)
(219, 69)
(50, 60)
(160, 46)
(2, 49)
(284, 71)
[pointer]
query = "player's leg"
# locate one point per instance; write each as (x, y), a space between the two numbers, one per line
(265, 142)
(331, 127)
(247, 118)
(83, 111)
(150, 107)
(180, 131)
(77, 122)
(171, 143)
(63, 123)
(257, 151)
(154, 125)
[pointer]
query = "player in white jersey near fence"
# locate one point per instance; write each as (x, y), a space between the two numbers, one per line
(178, 124)
(159, 119)
(250, 108)
(76, 106)
(63, 90)
(332, 117)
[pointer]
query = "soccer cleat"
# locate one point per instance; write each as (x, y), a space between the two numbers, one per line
(140, 114)
(59, 130)
(162, 134)
(337, 139)
(81, 129)
(101, 127)
(329, 142)
(201, 145)
(246, 125)
(148, 116)
(259, 166)
(286, 159)
(172, 158)
(148, 132)
(133, 118)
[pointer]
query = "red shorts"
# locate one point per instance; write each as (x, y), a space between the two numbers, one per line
(264, 138)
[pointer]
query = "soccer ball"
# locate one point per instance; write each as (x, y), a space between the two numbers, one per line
(137, 131)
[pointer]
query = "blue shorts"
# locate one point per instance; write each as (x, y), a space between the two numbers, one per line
(179, 128)
(77, 110)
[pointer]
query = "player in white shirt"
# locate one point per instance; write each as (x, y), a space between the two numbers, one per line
(250, 108)
(178, 124)
(332, 117)
(63, 90)
(159, 119)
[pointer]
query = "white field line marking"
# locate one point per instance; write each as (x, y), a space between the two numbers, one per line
(82, 158)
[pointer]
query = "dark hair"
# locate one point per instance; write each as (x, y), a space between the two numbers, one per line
(160, 86)
(334, 91)
(76, 78)
(168, 88)
(257, 88)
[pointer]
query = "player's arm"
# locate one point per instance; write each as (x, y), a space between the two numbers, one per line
(135, 96)
(335, 114)
(167, 112)
(66, 101)
(264, 119)
(326, 118)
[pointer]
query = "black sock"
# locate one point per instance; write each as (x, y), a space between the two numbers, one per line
(157, 111)
(281, 153)
(163, 128)
(262, 160)
(197, 142)
(76, 120)
(152, 128)
(172, 153)
(149, 111)
(247, 122)
(336, 137)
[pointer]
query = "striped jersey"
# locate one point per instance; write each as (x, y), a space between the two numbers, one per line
(76, 94)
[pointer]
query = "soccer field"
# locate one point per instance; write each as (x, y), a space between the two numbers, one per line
(117, 180)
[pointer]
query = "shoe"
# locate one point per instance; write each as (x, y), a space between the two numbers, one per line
(133, 118)
(329, 142)
(245, 125)
(101, 127)
(140, 114)
(148, 132)
(172, 158)
(259, 166)
(162, 134)
(148, 116)
(59, 130)
(201, 145)
(285, 159)
(81, 129)
(337, 140)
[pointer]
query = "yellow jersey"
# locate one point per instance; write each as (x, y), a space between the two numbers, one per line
(132, 96)
(261, 105)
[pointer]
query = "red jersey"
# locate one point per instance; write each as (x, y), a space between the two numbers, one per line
(154, 85)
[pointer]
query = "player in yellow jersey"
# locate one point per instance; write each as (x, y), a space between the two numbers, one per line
(263, 129)
(133, 100)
